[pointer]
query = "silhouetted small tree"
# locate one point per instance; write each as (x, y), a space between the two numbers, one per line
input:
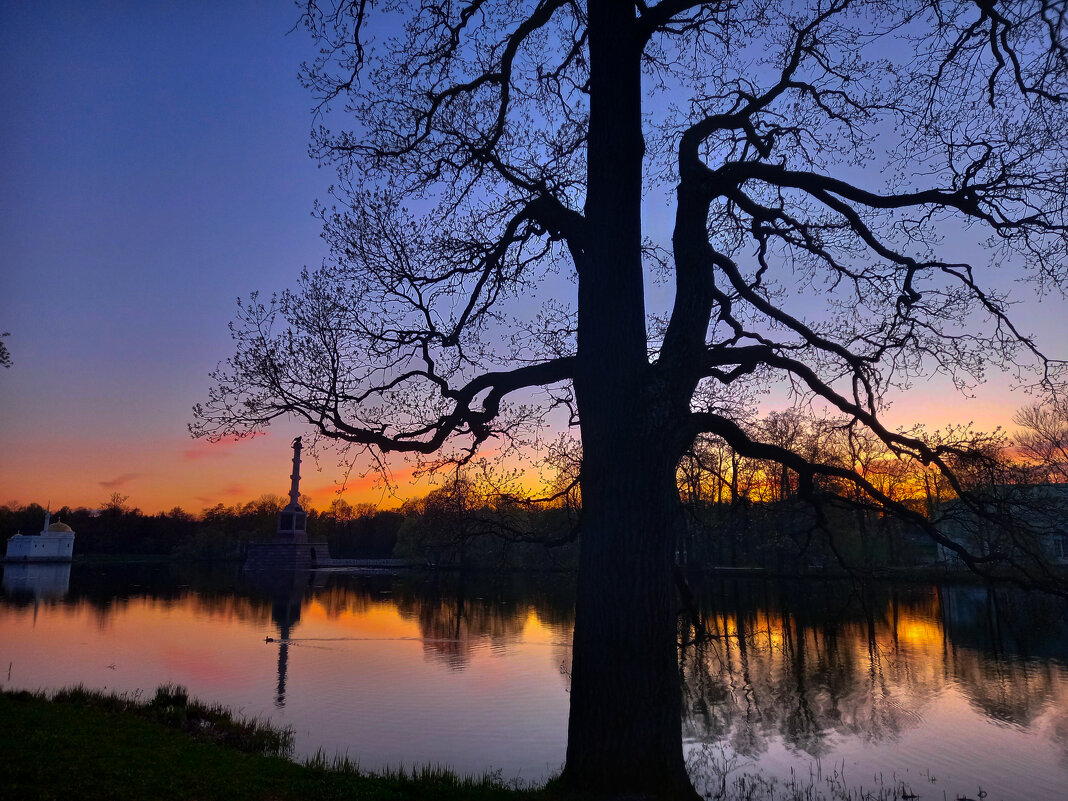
(1043, 440)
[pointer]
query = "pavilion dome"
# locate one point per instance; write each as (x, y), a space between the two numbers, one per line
(61, 527)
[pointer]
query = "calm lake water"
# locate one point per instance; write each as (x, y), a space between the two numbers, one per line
(950, 689)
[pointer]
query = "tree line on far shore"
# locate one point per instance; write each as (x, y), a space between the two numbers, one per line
(217, 532)
(740, 511)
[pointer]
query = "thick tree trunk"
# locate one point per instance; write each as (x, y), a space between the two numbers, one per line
(625, 729)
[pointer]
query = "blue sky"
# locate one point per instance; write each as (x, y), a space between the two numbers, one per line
(154, 167)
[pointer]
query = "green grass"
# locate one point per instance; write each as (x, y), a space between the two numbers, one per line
(83, 744)
(88, 745)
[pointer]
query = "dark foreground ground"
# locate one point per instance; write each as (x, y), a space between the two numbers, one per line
(84, 745)
(91, 746)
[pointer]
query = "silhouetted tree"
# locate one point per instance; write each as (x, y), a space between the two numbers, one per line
(371, 535)
(117, 504)
(814, 153)
(1044, 437)
(440, 525)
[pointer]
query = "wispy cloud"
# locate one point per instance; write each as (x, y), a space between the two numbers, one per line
(324, 493)
(119, 481)
(230, 491)
(366, 487)
(203, 449)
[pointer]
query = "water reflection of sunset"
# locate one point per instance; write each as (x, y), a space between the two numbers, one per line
(377, 620)
(474, 672)
(137, 644)
(923, 634)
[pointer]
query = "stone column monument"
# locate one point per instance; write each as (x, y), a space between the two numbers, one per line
(290, 549)
(292, 521)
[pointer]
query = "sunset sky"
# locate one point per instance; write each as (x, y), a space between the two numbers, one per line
(154, 168)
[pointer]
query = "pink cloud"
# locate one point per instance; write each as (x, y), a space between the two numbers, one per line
(118, 481)
(328, 492)
(364, 488)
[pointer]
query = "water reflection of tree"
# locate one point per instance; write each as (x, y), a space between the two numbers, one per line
(107, 589)
(994, 636)
(459, 613)
(103, 591)
(798, 660)
(861, 662)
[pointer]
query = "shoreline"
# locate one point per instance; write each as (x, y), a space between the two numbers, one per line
(78, 743)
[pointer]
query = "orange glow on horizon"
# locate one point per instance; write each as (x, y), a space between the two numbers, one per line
(160, 474)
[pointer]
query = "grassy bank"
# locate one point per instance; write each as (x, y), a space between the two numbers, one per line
(88, 745)
(94, 746)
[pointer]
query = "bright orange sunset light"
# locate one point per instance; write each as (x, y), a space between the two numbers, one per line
(159, 474)
(378, 620)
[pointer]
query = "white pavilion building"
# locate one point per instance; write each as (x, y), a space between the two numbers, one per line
(55, 543)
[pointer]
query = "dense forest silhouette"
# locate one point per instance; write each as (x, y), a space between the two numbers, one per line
(740, 511)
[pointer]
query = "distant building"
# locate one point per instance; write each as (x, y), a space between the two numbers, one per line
(55, 543)
(1024, 521)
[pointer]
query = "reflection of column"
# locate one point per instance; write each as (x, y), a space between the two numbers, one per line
(285, 612)
(283, 657)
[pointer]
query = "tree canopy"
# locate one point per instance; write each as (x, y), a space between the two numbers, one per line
(834, 191)
(820, 154)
